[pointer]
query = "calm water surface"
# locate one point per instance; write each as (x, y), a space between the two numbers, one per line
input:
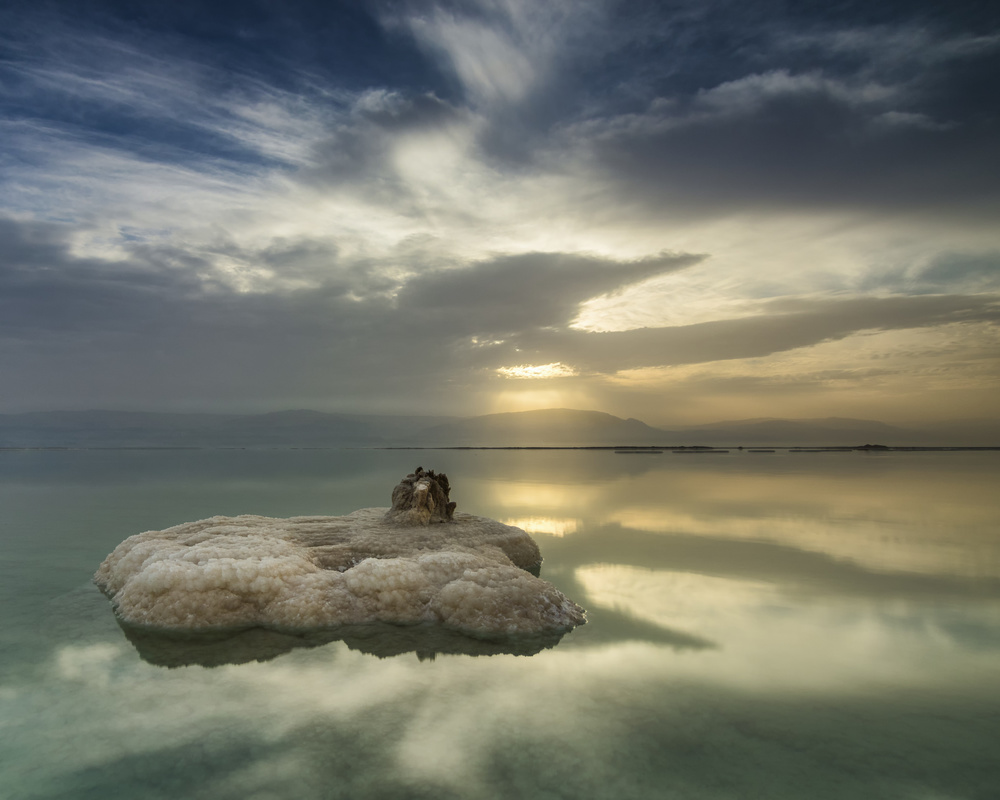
(761, 625)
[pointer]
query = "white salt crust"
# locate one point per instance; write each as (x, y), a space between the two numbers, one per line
(312, 572)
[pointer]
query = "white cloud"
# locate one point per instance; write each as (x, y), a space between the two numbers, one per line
(500, 50)
(491, 66)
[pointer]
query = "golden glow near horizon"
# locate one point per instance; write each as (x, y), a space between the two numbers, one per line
(553, 526)
(504, 400)
(945, 372)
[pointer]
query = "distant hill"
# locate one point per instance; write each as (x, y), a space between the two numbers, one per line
(106, 428)
(548, 427)
(553, 427)
(833, 431)
(972, 432)
(300, 428)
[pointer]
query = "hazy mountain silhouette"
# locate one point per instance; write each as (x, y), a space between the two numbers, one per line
(300, 428)
(554, 427)
(832, 431)
(548, 427)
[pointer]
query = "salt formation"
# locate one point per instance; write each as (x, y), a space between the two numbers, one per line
(469, 574)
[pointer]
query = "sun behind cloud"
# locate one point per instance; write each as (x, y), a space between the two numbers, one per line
(535, 371)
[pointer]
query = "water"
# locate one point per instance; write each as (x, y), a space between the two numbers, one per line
(761, 625)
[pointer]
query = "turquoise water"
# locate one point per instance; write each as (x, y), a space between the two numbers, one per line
(761, 625)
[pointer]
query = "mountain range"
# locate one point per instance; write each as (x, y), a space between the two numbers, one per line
(542, 428)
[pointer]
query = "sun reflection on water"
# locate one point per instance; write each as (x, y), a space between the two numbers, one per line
(553, 526)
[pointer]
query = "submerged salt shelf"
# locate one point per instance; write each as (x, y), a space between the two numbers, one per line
(417, 563)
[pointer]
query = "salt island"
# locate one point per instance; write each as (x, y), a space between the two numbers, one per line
(418, 562)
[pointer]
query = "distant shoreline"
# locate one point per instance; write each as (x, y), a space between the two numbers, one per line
(694, 449)
(618, 449)
(524, 430)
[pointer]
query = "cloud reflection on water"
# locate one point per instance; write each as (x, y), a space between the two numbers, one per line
(769, 640)
(332, 722)
(752, 637)
(904, 516)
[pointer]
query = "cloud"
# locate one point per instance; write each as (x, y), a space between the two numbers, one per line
(167, 310)
(973, 270)
(782, 325)
(490, 66)
(533, 290)
(781, 141)
(789, 117)
(47, 292)
(500, 52)
(132, 326)
(303, 203)
(750, 94)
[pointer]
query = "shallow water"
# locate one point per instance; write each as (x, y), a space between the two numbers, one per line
(822, 625)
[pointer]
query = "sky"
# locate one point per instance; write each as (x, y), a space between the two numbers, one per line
(681, 211)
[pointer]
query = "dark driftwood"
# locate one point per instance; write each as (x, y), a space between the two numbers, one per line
(421, 498)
